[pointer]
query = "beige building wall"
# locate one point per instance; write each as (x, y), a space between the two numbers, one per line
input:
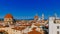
(8, 20)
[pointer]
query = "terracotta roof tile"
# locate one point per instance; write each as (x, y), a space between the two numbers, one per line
(8, 16)
(34, 31)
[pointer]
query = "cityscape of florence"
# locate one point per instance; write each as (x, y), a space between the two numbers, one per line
(29, 16)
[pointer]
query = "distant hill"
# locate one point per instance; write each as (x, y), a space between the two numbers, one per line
(1, 19)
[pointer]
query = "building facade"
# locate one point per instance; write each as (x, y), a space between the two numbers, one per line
(54, 25)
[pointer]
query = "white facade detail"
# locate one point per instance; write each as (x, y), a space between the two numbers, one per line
(54, 25)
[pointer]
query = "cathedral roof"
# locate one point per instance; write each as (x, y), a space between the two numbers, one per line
(8, 16)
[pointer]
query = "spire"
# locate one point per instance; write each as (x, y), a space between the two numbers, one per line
(55, 15)
(42, 16)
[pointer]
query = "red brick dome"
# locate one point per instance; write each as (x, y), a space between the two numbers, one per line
(8, 16)
(36, 17)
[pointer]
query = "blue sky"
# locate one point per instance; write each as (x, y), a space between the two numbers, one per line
(22, 8)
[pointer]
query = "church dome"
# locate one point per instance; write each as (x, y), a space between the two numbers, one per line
(8, 16)
(36, 16)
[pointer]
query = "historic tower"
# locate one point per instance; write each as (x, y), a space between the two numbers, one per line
(42, 16)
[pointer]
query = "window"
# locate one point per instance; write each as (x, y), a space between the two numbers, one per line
(57, 32)
(57, 21)
(57, 27)
(9, 19)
